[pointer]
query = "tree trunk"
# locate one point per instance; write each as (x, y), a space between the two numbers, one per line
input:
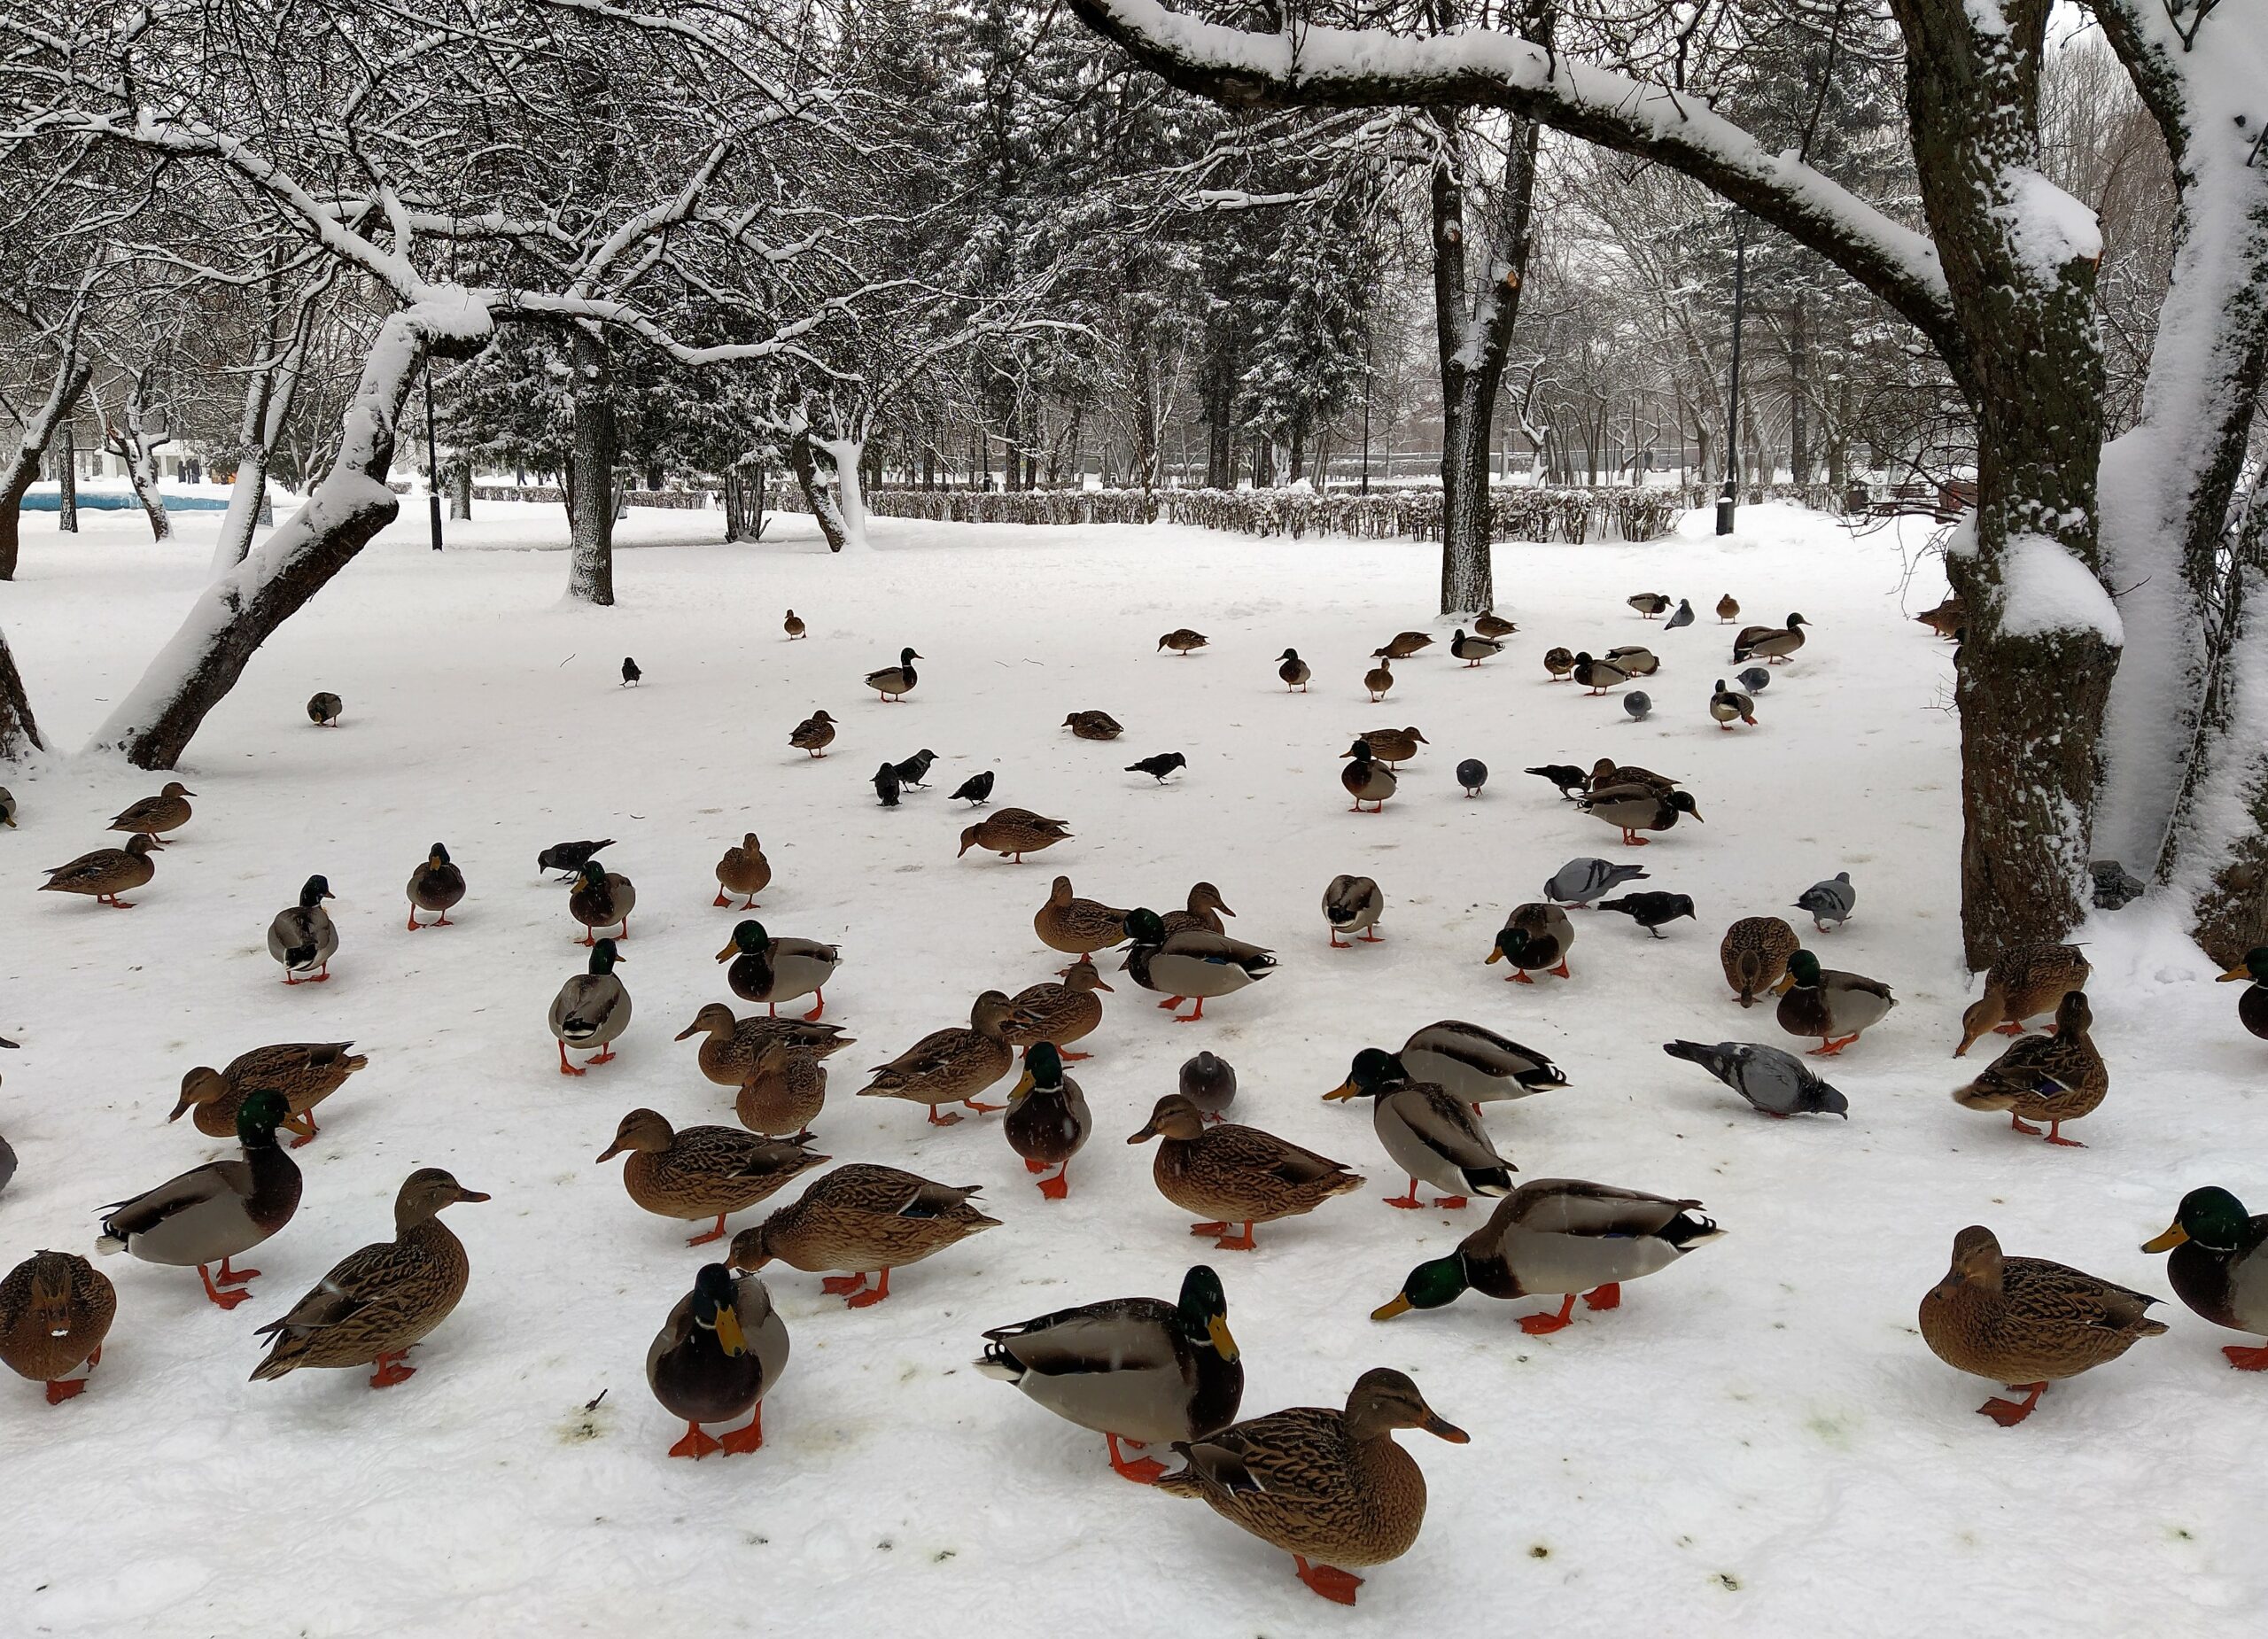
(351, 504)
(597, 447)
(67, 478)
(71, 374)
(461, 489)
(138, 450)
(1798, 415)
(803, 461)
(18, 732)
(847, 456)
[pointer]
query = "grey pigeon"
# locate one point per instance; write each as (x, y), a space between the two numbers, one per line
(886, 785)
(1637, 703)
(1472, 774)
(1830, 901)
(1756, 679)
(1579, 881)
(1779, 1083)
(1683, 618)
(915, 771)
(976, 790)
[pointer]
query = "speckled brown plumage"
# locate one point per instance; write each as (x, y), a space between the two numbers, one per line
(2023, 984)
(1755, 954)
(48, 1293)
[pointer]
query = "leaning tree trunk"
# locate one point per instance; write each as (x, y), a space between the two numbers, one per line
(71, 374)
(18, 732)
(803, 460)
(597, 444)
(350, 504)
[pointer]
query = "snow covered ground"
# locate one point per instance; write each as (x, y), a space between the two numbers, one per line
(1757, 1441)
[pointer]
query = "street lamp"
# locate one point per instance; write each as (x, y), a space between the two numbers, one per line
(433, 465)
(1728, 498)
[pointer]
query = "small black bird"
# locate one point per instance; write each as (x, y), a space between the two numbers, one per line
(976, 790)
(915, 771)
(1649, 911)
(886, 785)
(570, 856)
(1472, 774)
(1572, 781)
(630, 672)
(1157, 767)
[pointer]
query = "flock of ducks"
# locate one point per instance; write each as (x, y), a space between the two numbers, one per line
(1328, 1485)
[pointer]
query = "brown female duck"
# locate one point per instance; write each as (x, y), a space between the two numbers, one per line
(2025, 983)
(1077, 927)
(744, 871)
(860, 1218)
(305, 1073)
(698, 1172)
(1060, 1012)
(729, 1046)
(168, 811)
(952, 1065)
(55, 1311)
(1240, 1173)
(784, 1092)
(2051, 1078)
(107, 873)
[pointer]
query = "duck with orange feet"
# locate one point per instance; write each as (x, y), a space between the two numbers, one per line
(1240, 1174)
(716, 1357)
(1048, 1121)
(863, 1218)
(212, 1213)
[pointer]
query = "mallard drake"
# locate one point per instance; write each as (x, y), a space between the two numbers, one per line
(1559, 1236)
(1202, 911)
(1558, 664)
(1569, 781)
(1584, 878)
(154, 816)
(1598, 675)
(55, 1311)
(305, 1073)
(303, 938)
(1652, 910)
(1779, 1083)
(1403, 646)
(1830, 903)
(1210, 1084)
(2052, 1078)
(976, 790)
(1729, 706)
(2251, 1003)
(1294, 671)
(784, 1092)
(1047, 1122)
(1606, 772)
(592, 1009)
(729, 1046)
(952, 1065)
(1379, 680)
(1392, 745)
(324, 709)
(896, 683)
(1473, 650)
(1134, 1369)
(601, 898)
(1093, 725)
(212, 1213)
(1352, 905)
(378, 1303)
(1649, 604)
(1535, 938)
(771, 971)
(1754, 954)
(1776, 645)
(793, 626)
(107, 873)
(1633, 659)
(1489, 624)
(743, 870)
(570, 856)
(1182, 641)
(1632, 808)
(1330, 1488)
(2026, 1322)
(1012, 832)
(1244, 1174)
(715, 1358)
(2216, 1268)
(1947, 618)
(1077, 927)
(1478, 1065)
(1366, 779)
(862, 1217)
(692, 1173)
(2033, 980)
(1191, 963)
(1428, 1132)
(436, 886)
(1834, 1005)
(813, 734)
(1060, 1012)
(1727, 608)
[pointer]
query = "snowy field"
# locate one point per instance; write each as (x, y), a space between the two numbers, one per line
(1756, 1443)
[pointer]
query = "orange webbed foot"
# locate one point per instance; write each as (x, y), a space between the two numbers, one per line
(2243, 1358)
(1608, 1296)
(1057, 1188)
(838, 1285)
(2009, 1413)
(741, 1442)
(695, 1444)
(1329, 1581)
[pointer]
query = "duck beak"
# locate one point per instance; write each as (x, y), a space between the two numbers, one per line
(1441, 1428)
(609, 1152)
(1345, 1089)
(688, 1031)
(2173, 1236)
(1024, 1084)
(465, 1194)
(180, 1109)
(726, 954)
(1787, 982)
(1495, 953)
(729, 1334)
(1224, 1345)
(1396, 1305)
(2234, 975)
(1149, 1131)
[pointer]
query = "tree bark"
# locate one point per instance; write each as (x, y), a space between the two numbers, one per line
(133, 445)
(71, 374)
(67, 478)
(461, 489)
(803, 461)
(351, 504)
(18, 732)
(591, 463)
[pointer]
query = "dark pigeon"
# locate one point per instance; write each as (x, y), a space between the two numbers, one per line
(1779, 1083)
(1831, 901)
(1472, 774)
(1683, 618)
(1637, 703)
